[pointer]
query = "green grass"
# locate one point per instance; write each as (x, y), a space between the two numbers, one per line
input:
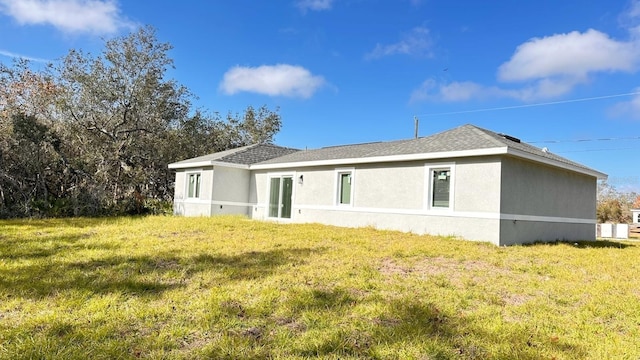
(232, 288)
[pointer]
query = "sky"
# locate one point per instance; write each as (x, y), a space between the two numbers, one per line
(558, 74)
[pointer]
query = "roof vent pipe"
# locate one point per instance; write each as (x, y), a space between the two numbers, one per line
(509, 137)
(415, 121)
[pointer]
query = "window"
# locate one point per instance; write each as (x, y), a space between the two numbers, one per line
(193, 184)
(440, 191)
(441, 186)
(345, 187)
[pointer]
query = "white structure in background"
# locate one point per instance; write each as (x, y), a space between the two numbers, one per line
(612, 231)
(622, 231)
(606, 230)
(635, 216)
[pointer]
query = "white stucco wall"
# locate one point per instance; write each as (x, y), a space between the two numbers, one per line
(230, 191)
(545, 203)
(223, 190)
(191, 206)
(530, 188)
(392, 196)
(389, 186)
(477, 185)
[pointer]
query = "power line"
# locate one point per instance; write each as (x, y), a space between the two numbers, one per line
(593, 150)
(582, 140)
(533, 105)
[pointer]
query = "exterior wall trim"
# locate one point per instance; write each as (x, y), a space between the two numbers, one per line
(213, 202)
(445, 213)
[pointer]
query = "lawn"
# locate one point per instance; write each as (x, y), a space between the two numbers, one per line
(232, 288)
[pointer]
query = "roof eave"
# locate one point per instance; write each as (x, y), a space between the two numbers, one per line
(388, 158)
(433, 156)
(199, 164)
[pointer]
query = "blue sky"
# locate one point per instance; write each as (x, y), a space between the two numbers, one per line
(351, 71)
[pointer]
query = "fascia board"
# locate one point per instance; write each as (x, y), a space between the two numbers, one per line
(381, 159)
(207, 163)
(547, 161)
(189, 165)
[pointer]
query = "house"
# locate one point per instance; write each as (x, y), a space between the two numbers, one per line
(466, 182)
(635, 216)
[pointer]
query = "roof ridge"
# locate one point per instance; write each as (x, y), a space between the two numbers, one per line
(487, 134)
(246, 148)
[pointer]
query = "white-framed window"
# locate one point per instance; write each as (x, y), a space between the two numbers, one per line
(344, 186)
(440, 186)
(193, 185)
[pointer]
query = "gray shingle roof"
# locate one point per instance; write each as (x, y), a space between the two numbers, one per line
(466, 137)
(463, 138)
(245, 155)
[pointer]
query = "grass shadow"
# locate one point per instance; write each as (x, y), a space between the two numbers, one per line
(132, 275)
(440, 335)
(14, 248)
(584, 244)
(253, 264)
(29, 224)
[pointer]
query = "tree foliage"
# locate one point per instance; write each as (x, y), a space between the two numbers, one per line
(615, 206)
(94, 134)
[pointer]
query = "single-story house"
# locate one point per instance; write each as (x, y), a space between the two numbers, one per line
(467, 182)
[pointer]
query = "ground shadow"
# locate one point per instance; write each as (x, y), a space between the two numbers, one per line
(134, 275)
(419, 322)
(595, 244)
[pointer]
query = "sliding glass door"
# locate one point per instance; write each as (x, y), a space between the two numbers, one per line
(280, 194)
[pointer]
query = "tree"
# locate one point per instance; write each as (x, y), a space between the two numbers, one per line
(636, 203)
(29, 144)
(94, 134)
(118, 105)
(613, 205)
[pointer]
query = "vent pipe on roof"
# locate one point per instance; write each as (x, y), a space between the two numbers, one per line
(415, 121)
(509, 137)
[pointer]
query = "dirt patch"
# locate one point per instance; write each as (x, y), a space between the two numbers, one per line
(516, 299)
(291, 324)
(432, 267)
(179, 234)
(168, 264)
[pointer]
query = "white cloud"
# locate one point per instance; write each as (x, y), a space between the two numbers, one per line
(569, 55)
(416, 42)
(633, 11)
(315, 5)
(73, 16)
(630, 18)
(545, 89)
(272, 80)
(554, 65)
(20, 56)
(627, 109)
(456, 91)
(544, 68)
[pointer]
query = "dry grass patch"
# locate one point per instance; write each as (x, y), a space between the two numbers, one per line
(231, 288)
